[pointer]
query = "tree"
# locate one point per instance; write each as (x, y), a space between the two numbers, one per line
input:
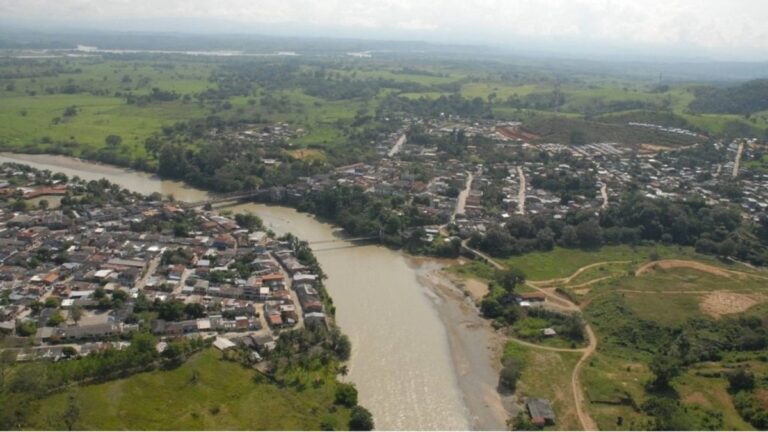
(249, 221)
(70, 111)
(740, 379)
(577, 137)
(55, 320)
(726, 248)
(569, 237)
(76, 313)
(346, 395)
(665, 368)
(510, 278)
(43, 204)
(589, 234)
(113, 141)
(26, 328)
(360, 419)
(194, 310)
(509, 375)
(51, 302)
(19, 205)
(171, 310)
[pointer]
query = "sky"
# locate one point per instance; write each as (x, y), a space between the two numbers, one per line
(726, 29)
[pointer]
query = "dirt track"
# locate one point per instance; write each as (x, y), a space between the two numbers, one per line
(580, 270)
(587, 423)
(675, 263)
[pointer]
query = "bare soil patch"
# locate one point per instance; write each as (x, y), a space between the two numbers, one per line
(720, 303)
(697, 398)
(477, 289)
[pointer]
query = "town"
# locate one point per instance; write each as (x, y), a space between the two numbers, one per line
(79, 282)
(436, 165)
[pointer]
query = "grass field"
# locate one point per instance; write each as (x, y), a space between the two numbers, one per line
(614, 388)
(561, 262)
(33, 101)
(223, 397)
(547, 374)
(31, 120)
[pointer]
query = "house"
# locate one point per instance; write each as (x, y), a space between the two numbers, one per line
(549, 332)
(541, 412)
(533, 297)
(314, 318)
(223, 344)
(91, 331)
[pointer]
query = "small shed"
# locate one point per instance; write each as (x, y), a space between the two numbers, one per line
(541, 412)
(549, 332)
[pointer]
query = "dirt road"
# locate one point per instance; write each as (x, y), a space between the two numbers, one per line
(521, 192)
(578, 391)
(737, 162)
(604, 193)
(461, 201)
(564, 304)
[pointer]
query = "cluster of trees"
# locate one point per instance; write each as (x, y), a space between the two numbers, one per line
(394, 221)
(454, 104)
(742, 385)
(538, 101)
(29, 382)
(242, 78)
(454, 144)
(156, 95)
(636, 219)
(224, 165)
(695, 341)
(746, 98)
(565, 184)
(674, 349)
(500, 305)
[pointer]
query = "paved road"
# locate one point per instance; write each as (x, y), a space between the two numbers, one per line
(521, 192)
(604, 193)
(397, 147)
(738, 160)
(461, 201)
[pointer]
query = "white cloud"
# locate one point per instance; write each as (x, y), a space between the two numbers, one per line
(708, 24)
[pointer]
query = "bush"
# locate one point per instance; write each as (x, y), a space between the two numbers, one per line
(740, 379)
(346, 395)
(360, 419)
(510, 373)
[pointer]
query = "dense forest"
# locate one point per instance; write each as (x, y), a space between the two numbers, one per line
(743, 99)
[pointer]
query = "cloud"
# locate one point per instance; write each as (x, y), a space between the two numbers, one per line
(708, 24)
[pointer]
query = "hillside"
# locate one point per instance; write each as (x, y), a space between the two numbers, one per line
(744, 99)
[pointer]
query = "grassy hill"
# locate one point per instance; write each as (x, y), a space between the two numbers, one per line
(205, 393)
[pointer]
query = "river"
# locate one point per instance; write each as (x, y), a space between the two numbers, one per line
(421, 358)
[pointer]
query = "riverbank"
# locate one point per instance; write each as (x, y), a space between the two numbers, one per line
(136, 181)
(475, 346)
(422, 357)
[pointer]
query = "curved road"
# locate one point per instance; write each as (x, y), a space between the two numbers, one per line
(587, 423)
